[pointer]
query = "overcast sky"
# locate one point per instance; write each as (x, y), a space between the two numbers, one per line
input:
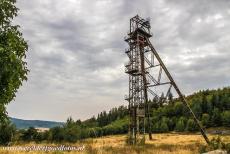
(76, 51)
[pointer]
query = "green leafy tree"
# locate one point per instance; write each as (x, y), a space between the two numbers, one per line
(156, 127)
(13, 49)
(180, 125)
(197, 108)
(191, 125)
(71, 131)
(30, 134)
(72, 134)
(216, 117)
(226, 118)
(57, 134)
(204, 104)
(164, 127)
(205, 120)
(7, 132)
(164, 124)
(178, 108)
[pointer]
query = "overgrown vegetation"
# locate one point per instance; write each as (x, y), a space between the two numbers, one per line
(215, 143)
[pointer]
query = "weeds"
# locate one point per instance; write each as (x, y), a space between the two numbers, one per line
(215, 143)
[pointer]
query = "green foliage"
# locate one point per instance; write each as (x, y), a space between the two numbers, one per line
(178, 108)
(205, 120)
(73, 131)
(216, 143)
(196, 107)
(211, 107)
(164, 127)
(57, 134)
(7, 132)
(161, 126)
(226, 118)
(104, 118)
(119, 126)
(30, 134)
(156, 127)
(216, 117)
(191, 126)
(180, 125)
(13, 49)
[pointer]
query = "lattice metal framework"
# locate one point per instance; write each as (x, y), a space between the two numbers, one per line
(149, 79)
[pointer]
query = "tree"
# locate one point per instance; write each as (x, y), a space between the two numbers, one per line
(204, 104)
(156, 127)
(178, 108)
(57, 134)
(164, 127)
(71, 130)
(191, 125)
(72, 134)
(30, 134)
(70, 122)
(216, 117)
(226, 118)
(197, 108)
(205, 120)
(164, 124)
(7, 132)
(180, 125)
(13, 47)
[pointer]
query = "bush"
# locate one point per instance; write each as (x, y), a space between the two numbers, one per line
(30, 134)
(156, 127)
(164, 127)
(191, 125)
(57, 134)
(216, 117)
(216, 143)
(71, 134)
(180, 125)
(226, 118)
(205, 120)
(7, 132)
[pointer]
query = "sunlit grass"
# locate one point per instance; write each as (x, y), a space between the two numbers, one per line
(161, 144)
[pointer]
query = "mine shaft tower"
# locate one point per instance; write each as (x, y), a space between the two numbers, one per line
(149, 79)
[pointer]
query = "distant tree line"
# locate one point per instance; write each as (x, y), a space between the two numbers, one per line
(212, 108)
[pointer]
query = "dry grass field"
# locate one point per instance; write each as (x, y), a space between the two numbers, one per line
(162, 144)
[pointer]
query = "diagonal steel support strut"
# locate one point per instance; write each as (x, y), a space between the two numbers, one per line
(178, 90)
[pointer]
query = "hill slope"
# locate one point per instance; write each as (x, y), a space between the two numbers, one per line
(24, 124)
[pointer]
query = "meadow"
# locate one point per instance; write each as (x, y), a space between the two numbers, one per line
(167, 143)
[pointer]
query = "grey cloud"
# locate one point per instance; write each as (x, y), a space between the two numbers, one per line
(76, 52)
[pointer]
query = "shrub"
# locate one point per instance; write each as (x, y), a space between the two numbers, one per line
(180, 125)
(226, 118)
(7, 132)
(191, 125)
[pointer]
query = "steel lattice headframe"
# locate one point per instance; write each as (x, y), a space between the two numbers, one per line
(149, 79)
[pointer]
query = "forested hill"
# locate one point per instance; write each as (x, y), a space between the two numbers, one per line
(212, 108)
(24, 124)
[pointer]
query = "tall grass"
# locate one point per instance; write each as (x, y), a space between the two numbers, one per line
(161, 144)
